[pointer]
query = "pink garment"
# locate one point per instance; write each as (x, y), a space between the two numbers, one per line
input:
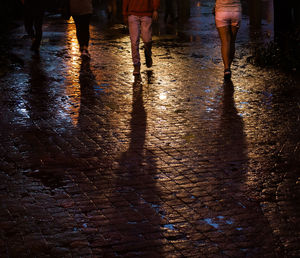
(227, 18)
(139, 26)
(228, 5)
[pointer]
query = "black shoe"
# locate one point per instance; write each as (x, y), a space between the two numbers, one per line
(227, 74)
(85, 54)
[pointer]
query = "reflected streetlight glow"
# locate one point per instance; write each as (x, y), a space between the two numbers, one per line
(73, 86)
(163, 96)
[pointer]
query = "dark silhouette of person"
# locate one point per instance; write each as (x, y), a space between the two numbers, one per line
(169, 10)
(81, 11)
(33, 21)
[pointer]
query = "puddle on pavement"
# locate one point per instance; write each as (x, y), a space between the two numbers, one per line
(220, 221)
(211, 223)
(169, 226)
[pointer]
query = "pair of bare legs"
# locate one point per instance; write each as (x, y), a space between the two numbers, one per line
(227, 35)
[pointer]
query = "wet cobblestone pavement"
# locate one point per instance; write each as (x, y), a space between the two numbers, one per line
(176, 163)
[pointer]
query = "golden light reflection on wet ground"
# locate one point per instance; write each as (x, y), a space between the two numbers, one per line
(73, 72)
(176, 152)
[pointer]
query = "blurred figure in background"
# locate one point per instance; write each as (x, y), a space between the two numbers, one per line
(81, 11)
(114, 10)
(139, 15)
(228, 15)
(169, 10)
(33, 21)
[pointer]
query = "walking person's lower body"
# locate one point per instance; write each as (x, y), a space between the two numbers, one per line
(82, 23)
(227, 24)
(33, 22)
(140, 26)
(169, 10)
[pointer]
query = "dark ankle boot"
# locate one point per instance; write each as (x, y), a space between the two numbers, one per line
(148, 54)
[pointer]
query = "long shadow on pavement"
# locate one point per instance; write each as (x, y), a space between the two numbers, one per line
(135, 183)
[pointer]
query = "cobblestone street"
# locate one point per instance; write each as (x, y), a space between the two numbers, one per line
(174, 163)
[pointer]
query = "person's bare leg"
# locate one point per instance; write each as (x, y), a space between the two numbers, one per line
(225, 37)
(234, 30)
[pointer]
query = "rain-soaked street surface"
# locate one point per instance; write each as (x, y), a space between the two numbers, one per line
(176, 163)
